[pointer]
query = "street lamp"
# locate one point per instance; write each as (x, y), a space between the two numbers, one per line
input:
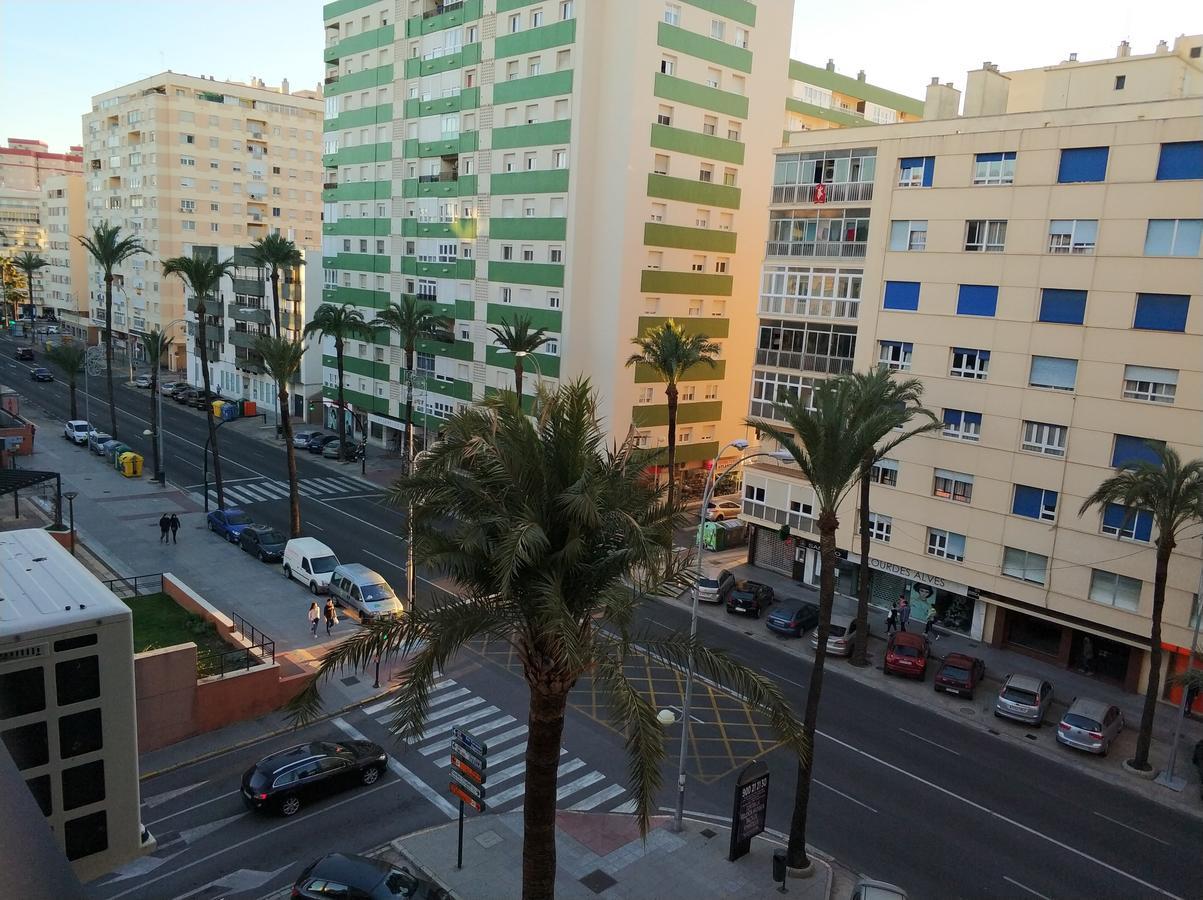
(711, 480)
(71, 495)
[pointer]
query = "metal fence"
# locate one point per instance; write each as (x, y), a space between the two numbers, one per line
(135, 585)
(262, 651)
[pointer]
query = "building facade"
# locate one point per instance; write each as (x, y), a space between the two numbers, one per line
(821, 98)
(65, 279)
(582, 163)
(1040, 273)
(182, 161)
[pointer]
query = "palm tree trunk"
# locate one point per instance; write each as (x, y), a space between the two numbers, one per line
(108, 350)
(154, 417)
(864, 576)
(342, 403)
(33, 307)
(796, 857)
(71, 388)
(203, 351)
(409, 405)
(544, 738)
(671, 392)
(518, 379)
(276, 298)
(294, 494)
(1144, 740)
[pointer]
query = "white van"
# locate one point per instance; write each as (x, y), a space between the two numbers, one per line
(310, 562)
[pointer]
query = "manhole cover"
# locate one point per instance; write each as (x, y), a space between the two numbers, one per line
(489, 839)
(708, 833)
(598, 881)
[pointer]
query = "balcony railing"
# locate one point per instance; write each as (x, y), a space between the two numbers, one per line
(442, 8)
(332, 79)
(811, 307)
(804, 362)
(767, 513)
(841, 249)
(838, 192)
(442, 176)
(329, 185)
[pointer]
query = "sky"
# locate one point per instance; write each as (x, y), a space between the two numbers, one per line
(55, 54)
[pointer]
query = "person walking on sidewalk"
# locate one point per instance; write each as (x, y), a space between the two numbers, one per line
(892, 619)
(164, 526)
(315, 616)
(904, 613)
(929, 628)
(175, 526)
(331, 616)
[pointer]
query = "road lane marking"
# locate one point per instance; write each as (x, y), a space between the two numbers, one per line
(579, 785)
(190, 808)
(444, 743)
(1024, 887)
(824, 784)
(434, 690)
(920, 737)
(610, 793)
(159, 799)
(388, 562)
(1130, 828)
(395, 767)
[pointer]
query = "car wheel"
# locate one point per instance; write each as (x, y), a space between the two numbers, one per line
(313, 587)
(262, 556)
(730, 610)
(1106, 749)
(209, 525)
(370, 775)
(290, 806)
(287, 571)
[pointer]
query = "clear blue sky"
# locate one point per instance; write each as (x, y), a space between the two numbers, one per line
(77, 48)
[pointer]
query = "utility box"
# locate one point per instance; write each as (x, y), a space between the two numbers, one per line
(229, 411)
(248, 408)
(130, 464)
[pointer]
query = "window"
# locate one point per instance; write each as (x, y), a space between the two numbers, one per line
(895, 355)
(1080, 164)
(994, 168)
(916, 171)
(566, 9)
(1053, 372)
(1044, 437)
(985, 235)
(189, 161)
(885, 472)
(1062, 306)
(718, 29)
(953, 486)
(559, 159)
(507, 295)
(969, 363)
(1128, 524)
(1115, 590)
(977, 300)
(1024, 565)
(1180, 161)
(741, 38)
(515, 24)
(187, 206)
(660, 165)
(553, 302)
(946, 544)
(536, 18)
(528, 254)
(1173, 237)
(1161, 312)
(908, 234)
(880, 527)
(1151, 384)
(664, 115)
(668, 65)
(22, 692)
(1072, 235)
(555, 255)
(1130, 450)
(1034, 503)
(1120, 81)
(672, 13)
(706, 172)
(534, 66)
(902, 295)
(962, 425)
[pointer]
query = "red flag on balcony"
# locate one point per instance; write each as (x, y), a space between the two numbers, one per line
(820, 193)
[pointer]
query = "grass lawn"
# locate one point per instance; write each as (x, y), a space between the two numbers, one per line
(161, 622)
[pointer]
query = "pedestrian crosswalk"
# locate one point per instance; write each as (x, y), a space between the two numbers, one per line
(245, 491)
(579, 787)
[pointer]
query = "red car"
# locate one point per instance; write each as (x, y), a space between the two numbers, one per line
(960, 673)
(906, 654)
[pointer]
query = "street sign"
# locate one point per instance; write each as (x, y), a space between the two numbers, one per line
(469, 766)
(465, 739)
(466, 767)
(477, 805)
(475, 760)
(749, 810)
(468, 785)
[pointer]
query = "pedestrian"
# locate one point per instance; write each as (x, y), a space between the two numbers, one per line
(331, 616)
(315, 616)
(1088, 655)
(892, 619)
(904, 613)
(929, 628)
(164, 527)
(175, 526)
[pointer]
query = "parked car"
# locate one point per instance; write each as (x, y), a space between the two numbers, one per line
(310, 562)
(228, 523)
(25, 353)
(793, 617)
(868, 889)
(301, 439)
(750, 598)
(142, 381)
(286, 780)
(76, 431)
(841, 636)
(332, 449)
(316, 444)
(52, 329)
(721, 510)
(1090, 725)
(1024, 699)
(202, 399)
(906, 654)
(959, 674)
(38, 373)
(96, 441)
(185, 395)
(357, 586)
(715, 588)
(263, 542)
(167, 388)
(362, 878)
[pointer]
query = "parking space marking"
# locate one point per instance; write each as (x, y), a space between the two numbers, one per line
(920, 737)
(1130, 828)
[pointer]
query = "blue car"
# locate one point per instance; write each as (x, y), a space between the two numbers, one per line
(229, 523)
(793, 618)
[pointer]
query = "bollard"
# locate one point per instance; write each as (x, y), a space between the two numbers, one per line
(779, 870)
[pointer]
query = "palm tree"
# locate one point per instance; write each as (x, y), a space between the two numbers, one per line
(877, 392)
(828, 442)
(29, 263)
(202, 275)
(282, 360)
(520, 339)
(277, 253)
(1172, 492)
(542, 525)
(109, 250)
(341, 323)
(68, 356)
(411, 320)
(10, 279)
(158, 346)
(670, 351)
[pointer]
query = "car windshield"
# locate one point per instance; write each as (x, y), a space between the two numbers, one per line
(906, 650)
(838, 630)
(237, 518)
(708, 583)
(1077, 721)
(376, 592)
(956, 673)
(401, 884)
(323, 564)
(271, 537)
(1018, 695)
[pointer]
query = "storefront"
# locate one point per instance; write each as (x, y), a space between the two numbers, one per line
(770, 551)
(1179, 660)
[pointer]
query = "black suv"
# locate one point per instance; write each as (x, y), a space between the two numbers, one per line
(286, 780)
(262, 541)
(749, 598)
(362, 878)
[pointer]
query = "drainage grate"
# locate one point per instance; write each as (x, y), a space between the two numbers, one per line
(598, 881)
(349, 680)
(708, 833)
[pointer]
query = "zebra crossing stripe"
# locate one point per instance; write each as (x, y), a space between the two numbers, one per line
(610, 793)
(447, 727)
(629, 807)
(442, 744)
(385, 704)
(520, 788)
(579, 785)
(455, 708)
(508, 753)
(449, 695)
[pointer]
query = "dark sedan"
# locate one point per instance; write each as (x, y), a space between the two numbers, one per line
(41, 374)
(285, 781)
(318, 442)
(793, 618)
(749, 598)
(362, 877)
(960, 674)
(263, 542)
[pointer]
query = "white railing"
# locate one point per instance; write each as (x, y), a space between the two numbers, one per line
(838, 192)
(841, 249)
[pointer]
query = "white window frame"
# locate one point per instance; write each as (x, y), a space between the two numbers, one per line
(978, 371)
(1113, 589)
(991, 236)
(1149, 384)
(895, 355)
(672, 14)
(964, 431)
(1076, 236)
(885, 473)
(908, 235)
(880, 527)
(937, 544)
(954, 486)
(1045, 438)
(996, 171)
(1019, 564)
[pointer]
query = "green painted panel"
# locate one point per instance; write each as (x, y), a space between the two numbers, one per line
(460, 230)
(356, 118)
(545, 182)
(461, 268)
(550, 85)
(653, 281)
(357, 43)
(687, 413)
(549, 319)
(357, 81)
(360, 190)
(359, 401)
(365, 153)
(700, 372)
(853, 87)
(465, 186)
(739, 10)
(460, 390)
(357, 262)
(356, 297)
(416, 66)
(507, 5)
(461, 350)
(656, 234)
(691, 191)
(704, 451)
(554, 35)
(463, 142)
(465, 310)
(339, 7)
(839, 116)
(545, 274)
(548, 365)
(528, 229)
(357, 366)
(669, 87)
(673, 38)
(706, 145)
(711, 327)
(360, 227)
(537, 135)
(469, 98)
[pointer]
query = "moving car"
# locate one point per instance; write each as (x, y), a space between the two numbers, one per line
(25, 353)
(959, 674)
(906, 654)
(286, 780)
(749, 597)
(793, 617)
(228, 523)
(1090, 725)
(839, 640)
(715, 588)
(721, 510)
(76, 431)
(1024, 699)
(41, 374)
(262, 541)
(142, 381)
(362, 878)
(319, 441)
(97, 439)
(302, 438)
(167, 388)
(357, 586)
(310, 562)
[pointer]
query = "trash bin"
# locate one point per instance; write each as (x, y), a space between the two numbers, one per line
(248, 408)
(217, 405)
(710, 536)
(130, 465)
(113, 453)
(229, 411)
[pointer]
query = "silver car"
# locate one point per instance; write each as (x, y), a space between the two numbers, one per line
(1024, 699)
(840, 638)
(1090, 725)
(715, 588)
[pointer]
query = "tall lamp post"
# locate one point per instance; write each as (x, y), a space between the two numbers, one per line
(71, 495)
(711, 480)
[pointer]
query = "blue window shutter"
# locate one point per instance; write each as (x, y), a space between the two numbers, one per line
(910, 162)
(952, 417)
(1143, 527)
(1130, 450)
(972, 418)
(989, 157)
(902, 295)
(1049, 501)
(1180, 161)
(1027, 501)
(1161, 312)
(929, 170)
(1062, 306)
(977, 300)
(1082, 164)
(1114, 516)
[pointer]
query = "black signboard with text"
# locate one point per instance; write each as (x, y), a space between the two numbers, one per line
(749, 809)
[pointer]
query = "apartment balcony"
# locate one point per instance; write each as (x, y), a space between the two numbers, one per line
(255, 315)
(765, 513)
(248, 361)
(441, 8)
(245, 339)
(332, 78)
(212, 307)
(836, 192)
(253, 286)
(819, 249)
(804, 362)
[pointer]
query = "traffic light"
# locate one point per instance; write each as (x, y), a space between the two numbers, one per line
(312, 405)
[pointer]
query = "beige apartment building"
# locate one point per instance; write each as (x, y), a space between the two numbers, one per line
(189, 162)
(1037, 264)
(64, 280)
